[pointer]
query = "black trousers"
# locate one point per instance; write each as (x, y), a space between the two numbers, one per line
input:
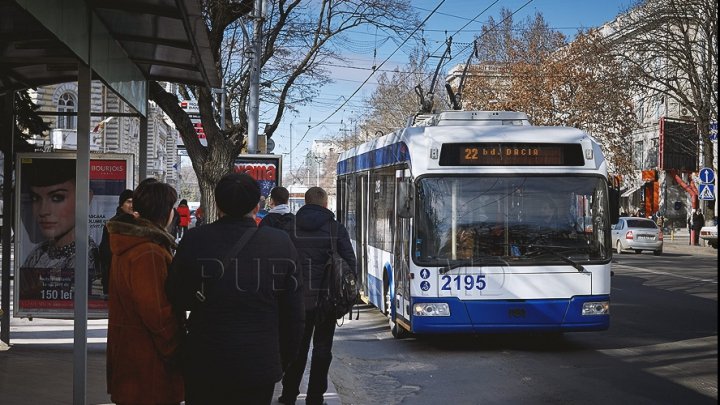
(322, 339)
(204, 392)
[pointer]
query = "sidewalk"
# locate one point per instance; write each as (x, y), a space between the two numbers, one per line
(37, 369)
(679, 242)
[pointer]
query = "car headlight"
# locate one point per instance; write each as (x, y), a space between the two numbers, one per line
(431, 309)
(596, 308)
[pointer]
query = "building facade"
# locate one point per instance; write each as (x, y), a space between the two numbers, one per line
(114, 134)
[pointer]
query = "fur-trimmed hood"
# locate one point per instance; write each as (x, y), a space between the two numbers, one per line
(125, 234)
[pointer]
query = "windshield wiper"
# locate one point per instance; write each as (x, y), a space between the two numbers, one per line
(550, 249)
(483, 260)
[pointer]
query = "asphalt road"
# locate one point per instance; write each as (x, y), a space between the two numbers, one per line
(661, 348)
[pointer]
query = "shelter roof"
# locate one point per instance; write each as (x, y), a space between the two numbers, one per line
(166, 39)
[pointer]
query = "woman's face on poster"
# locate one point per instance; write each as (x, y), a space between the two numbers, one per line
(54, 210)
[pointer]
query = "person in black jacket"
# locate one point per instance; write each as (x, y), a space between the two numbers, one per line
(279, 215)
(312, 241)
(248, 328)
(698, 221)
(125, 208)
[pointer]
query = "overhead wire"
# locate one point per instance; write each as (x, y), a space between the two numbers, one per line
(474, 19)
(434, 11)
(373, 72)
(457, 54)
(464, 49)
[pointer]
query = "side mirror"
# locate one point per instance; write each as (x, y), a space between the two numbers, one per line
(406, 199)
(614, 197)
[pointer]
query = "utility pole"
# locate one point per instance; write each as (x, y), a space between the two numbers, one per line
(254, 102)
(291, 149)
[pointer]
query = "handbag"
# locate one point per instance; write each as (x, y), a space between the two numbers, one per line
(201, 294)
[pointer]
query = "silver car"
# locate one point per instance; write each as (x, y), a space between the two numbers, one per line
(638, 234)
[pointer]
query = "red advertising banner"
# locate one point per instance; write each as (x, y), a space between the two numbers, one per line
(266, 169)
(45, 230)
(108, 170)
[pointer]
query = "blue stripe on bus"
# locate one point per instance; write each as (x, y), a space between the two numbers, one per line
(387, 155)
(489, 316)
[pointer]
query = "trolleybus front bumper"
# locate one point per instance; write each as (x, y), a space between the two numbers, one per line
(500, 316)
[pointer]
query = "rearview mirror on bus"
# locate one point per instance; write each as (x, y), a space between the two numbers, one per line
(614, 196)
(406, 199)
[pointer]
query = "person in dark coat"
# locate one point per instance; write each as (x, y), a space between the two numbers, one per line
(279, 215)
(174, 227)
(312, 240)
(698, 221)
(248, 329)
(125, 208)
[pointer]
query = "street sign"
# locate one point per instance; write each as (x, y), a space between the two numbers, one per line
(707, 175)
(193, 111)
(706, 192)
(713, 131)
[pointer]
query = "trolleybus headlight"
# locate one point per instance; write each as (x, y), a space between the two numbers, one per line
(596, 308)
(431, 309)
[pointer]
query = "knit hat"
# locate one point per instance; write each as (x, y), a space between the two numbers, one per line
(125, 195)
(236, 194)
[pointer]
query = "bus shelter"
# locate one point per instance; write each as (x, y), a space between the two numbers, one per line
(125, 44)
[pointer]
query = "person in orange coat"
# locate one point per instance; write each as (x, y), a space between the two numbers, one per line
(144, 334)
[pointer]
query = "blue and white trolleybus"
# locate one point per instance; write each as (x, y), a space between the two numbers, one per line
(471, 221)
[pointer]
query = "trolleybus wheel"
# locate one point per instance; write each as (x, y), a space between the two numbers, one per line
(397, 331)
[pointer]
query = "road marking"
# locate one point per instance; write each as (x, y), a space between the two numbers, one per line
(663, 273)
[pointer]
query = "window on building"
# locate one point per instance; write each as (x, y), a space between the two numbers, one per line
(651, 160)
(67, 104)
(638, 155)
(640, 112)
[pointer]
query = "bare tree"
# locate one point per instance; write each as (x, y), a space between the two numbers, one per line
(671, 47)
(394, 99)
(301, 39)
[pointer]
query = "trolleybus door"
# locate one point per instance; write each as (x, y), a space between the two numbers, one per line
(404, 203)
(361, 183)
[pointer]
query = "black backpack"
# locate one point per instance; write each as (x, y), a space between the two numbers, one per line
(343, 288)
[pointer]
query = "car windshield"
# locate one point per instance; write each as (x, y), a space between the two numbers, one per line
(511, 219)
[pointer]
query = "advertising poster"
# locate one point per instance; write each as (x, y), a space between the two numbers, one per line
(45, 230)
(266, 169)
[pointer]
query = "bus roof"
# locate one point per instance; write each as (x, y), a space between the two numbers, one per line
(416, 143)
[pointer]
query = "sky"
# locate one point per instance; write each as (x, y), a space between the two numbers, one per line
(324, 118)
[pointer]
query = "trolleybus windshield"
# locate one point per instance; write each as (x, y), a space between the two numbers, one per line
(519, 220)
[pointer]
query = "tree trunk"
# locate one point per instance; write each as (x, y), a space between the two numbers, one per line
(209, 162)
